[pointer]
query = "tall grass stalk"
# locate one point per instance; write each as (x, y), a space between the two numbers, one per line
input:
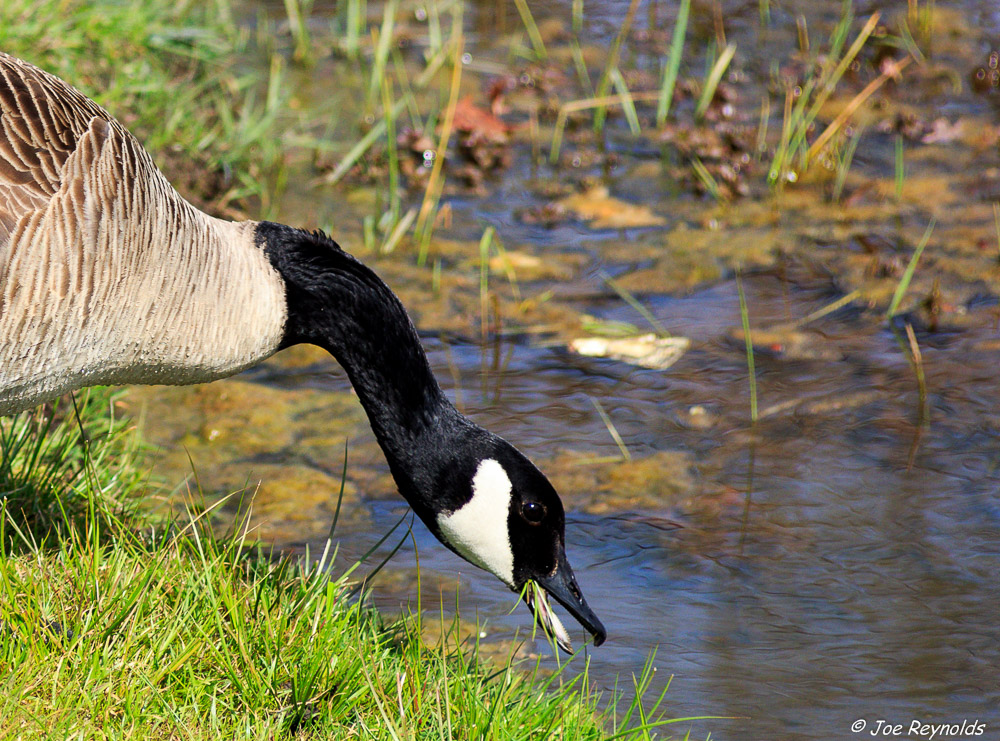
(900, 169)
(713, 80)
(604, 85)
(382, 43)
(363, 144)
(764, 13)
(393, 150)
(904, 281)
(917, 361)
(612, 430)
(706, 179)
(762, 125)
(581, 68)
(577, 15)
(484, 281)
(793, 154)
(356, 11)
(670, 72)
(632, 301)
(892, 71)
(748, 340)
(628, 104)
(435, 185)
(802, 29)
(574, 106)
(297, 12)
(844, 164)
(534, 35)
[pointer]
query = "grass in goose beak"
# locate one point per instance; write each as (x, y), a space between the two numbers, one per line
(538, 600)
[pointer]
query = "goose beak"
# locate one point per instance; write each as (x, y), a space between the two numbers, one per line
(562, 585)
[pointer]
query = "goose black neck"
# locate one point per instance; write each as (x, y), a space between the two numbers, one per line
(338, 303)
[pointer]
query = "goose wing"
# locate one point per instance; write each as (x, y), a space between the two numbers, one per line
(42, 123)
(107, 275)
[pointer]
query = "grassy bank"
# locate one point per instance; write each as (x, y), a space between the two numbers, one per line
(121, 629)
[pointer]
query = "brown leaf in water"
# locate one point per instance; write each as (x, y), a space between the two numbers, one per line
(471, 119)
(597, 207)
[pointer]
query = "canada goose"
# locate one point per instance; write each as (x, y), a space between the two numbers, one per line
(108, 276)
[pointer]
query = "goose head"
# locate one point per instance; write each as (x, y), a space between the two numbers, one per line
(495, 509)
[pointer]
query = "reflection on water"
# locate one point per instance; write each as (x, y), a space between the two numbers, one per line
(839, 560)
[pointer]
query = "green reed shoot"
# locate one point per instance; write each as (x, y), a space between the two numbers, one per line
(844, 164)
(357, 12)
(794, 152)
(751, 370)
(484, 281)
(900, 168)
(764, 12)
(392, 148)
(534, 35)
(632, 301)
(917, 361)
(760, 147)
(705, 178)
(712, 81)
(843, 28)
(612, 430)
(673, 63)
(628, 104)
(435, 39)
(435, 183)
(380, 58)
(399, 228)
(582, 105)
(581, 68)
(604, 85)
(356, 152)
(803, 33)
(409, 96)
(904, 282)
(298, 12)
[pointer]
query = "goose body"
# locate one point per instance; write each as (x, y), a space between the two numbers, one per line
(108, 276)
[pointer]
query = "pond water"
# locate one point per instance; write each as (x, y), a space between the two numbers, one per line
(836, 561)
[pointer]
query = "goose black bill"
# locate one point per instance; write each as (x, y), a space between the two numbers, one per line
(561, 585)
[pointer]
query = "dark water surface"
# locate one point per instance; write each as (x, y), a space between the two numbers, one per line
(839, 560)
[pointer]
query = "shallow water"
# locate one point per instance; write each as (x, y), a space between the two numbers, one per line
(838, 560)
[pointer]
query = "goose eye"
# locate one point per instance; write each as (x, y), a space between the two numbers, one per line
(533, 512)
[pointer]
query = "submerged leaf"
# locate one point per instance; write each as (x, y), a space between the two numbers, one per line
(648, 350)
(602, 211)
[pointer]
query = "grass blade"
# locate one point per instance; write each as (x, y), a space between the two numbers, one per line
(666, 95)
(904, 282)
(713, 80)
(745, 319)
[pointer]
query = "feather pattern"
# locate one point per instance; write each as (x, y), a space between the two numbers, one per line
(107, 275)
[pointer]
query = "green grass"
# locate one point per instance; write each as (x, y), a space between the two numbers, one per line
(802, 106)
(171, 72)
(126, 627)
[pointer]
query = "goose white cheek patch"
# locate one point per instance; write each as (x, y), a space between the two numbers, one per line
(478, 530)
